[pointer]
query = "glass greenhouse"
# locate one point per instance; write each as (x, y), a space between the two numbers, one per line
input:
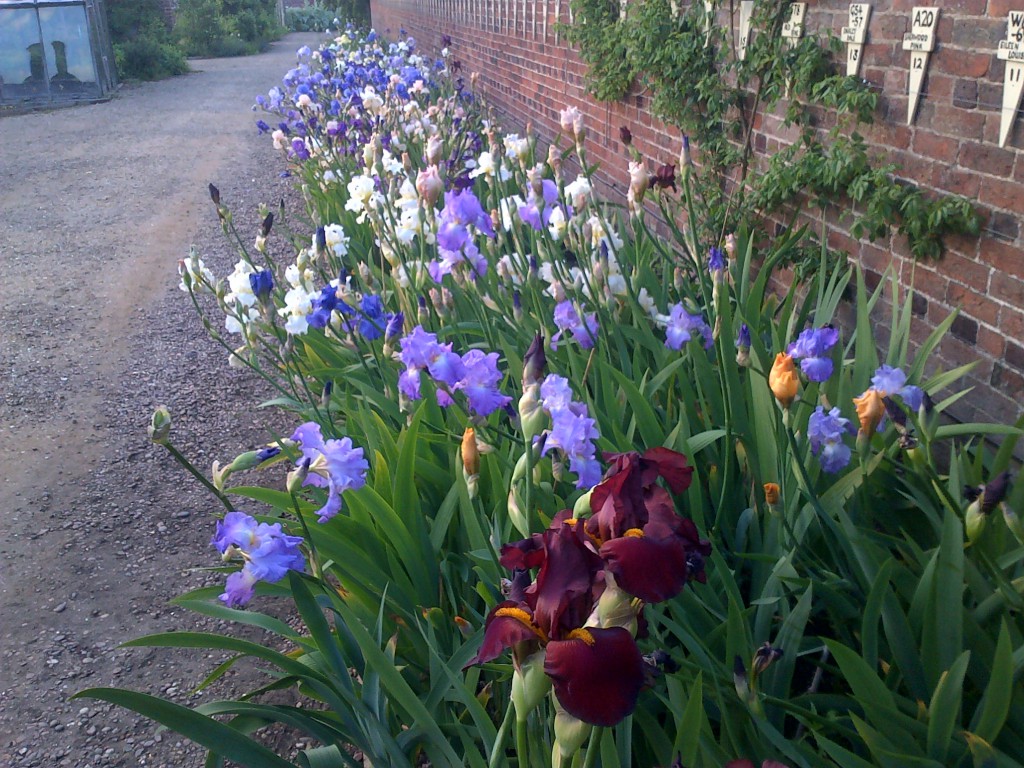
(54, 52)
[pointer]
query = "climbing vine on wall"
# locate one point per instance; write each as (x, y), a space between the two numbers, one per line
(697, 82)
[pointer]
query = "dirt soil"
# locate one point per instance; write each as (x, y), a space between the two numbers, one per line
(98, 528)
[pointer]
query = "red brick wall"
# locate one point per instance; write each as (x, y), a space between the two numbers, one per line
(528, 73)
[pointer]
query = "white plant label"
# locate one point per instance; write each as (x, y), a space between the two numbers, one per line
(746, 11)
(709, 18)
(1011, 50)
(920, 41)
(854, 35)
(793, 27)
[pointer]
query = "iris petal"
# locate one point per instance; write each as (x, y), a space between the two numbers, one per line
(507, 624)
(597, 674)
(653, 569)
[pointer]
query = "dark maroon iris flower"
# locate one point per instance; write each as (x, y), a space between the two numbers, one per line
(597, 674)
(634, 534)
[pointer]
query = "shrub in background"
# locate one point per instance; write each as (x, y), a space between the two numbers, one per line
(317, 16)
(143, 48)
(225, 27)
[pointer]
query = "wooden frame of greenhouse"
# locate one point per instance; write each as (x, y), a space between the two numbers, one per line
(54, 52)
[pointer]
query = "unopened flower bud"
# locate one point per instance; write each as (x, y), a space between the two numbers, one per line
(429, 185)
(554, 158)
(297, 477)
(423, 314)
(581, 508)
(516, 514)
(870, 410)
(570, 734)
(783, 380)
(772, 492)
(975, 522)
(530, 685)
(535, 176)
(764, 657)
(534, 362)
(685, 160)
(639, 180)
(160, 424)
(434, 150)
(470, 461)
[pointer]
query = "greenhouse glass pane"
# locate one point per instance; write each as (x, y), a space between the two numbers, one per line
(21, 54)
(68, 48)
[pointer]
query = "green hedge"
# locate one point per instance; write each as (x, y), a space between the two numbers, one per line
(317, 16)
(226, 27)
(143, 47)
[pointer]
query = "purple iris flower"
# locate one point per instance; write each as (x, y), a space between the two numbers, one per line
(825, 432)
(537, 213)
(269, 554)
(299, 149)
(421, 350)
(372, 323)
(682, 326)
(409, 383)
(583, 330)
(716, 259)
(480, 382)
(394, 326)
(334, 463)
(572, 430)
(262, 283)
(464, 209)
(262, 127)
(892, 381)
(326, 303)
(743, 338)
(812, 348)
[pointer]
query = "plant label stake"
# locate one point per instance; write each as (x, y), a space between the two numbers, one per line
(920, 41)
(854, 35)
(746, 11)
(793, 30)
(1011, 50)
(709, 17)
(793, 27)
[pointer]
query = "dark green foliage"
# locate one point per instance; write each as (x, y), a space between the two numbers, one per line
(226, 27)
(143, 48)
(318, 16)
(697, 83)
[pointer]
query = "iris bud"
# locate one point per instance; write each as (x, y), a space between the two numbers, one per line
(530, 685)
(570, 734)
(160, 425)
(783, 380)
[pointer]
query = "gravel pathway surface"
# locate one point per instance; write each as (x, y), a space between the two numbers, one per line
(99, 529)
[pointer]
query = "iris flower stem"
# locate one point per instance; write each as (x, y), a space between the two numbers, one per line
(497, 751)
(593, 748)
(528, 494)
(522, 743)
(314, 561)
(180, 458)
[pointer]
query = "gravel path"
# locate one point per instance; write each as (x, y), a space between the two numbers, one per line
(99, 529)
